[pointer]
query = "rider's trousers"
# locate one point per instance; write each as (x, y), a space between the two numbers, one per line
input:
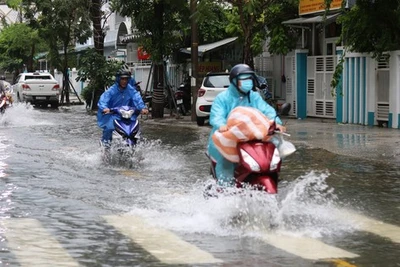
(224, 169)
(107, 135)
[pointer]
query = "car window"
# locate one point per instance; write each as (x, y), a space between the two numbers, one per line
(37, 77)
(217, 81)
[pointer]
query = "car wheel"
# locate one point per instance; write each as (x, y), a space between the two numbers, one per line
(200, 121)
(54, 105)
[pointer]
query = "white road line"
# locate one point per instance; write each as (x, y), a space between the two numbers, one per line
(304, 247)
(162, 244)
(33, 245)
(370, 225)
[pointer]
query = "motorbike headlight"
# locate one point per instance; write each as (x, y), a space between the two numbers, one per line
(254, 166)
(275, 160)
(126, 114)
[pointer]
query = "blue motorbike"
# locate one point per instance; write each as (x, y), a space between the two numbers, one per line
(127, 131)
(126, 136)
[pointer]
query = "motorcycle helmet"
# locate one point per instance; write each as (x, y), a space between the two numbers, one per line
(123, 74)
(243, 70)
(240, 69)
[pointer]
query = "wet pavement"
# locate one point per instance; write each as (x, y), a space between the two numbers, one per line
(365, 142)
(61, 205)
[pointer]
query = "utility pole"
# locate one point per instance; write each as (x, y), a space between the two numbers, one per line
(194, 56)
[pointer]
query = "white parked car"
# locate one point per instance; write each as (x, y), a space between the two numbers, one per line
(212, 85)
(37, 88)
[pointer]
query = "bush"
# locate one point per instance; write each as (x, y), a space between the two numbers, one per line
(100, 73)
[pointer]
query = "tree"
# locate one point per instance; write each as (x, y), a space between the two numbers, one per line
(254, 21)
(282, 39)
(212, 20)
(98, 18)
(16, 51)
(100, 73)
(160, 26)
(62, 24)
(372, 26)
(248, 21)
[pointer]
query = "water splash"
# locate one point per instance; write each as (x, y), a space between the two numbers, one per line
(22, 114)
(305, 208)
(147, 156)
(301, 208)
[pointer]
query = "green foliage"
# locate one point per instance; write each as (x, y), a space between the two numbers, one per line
(368, 27)
(372, 26)
(337, 76)
(100, 72)
(61, 23)
(256, 20)
(16, 43)
(282, 38)
(160, 24)
(212, 19)
(234, 28)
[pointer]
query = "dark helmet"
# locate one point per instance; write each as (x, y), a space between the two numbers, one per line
(124, 74)
(2, 77)
(240, 69)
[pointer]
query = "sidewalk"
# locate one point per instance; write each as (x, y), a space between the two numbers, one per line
(374, 143)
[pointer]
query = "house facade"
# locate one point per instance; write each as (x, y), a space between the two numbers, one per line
(368, 92)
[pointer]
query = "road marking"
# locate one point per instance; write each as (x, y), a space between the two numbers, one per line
(341, 263)
(131, 173)
(305, 247)
(370, 225)
(164, 245)
(33, 245)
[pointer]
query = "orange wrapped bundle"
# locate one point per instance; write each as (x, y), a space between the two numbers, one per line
(244, 124)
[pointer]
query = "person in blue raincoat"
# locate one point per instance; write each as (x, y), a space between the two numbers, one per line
(241, 92)
(119, 94)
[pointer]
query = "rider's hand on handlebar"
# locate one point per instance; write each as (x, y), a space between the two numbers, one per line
(106, 111)
(280, 128)
(223, 128)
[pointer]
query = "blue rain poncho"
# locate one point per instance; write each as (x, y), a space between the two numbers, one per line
(223, 104)
(117, 97)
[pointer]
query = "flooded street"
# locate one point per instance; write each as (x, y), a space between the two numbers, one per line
(62, 206)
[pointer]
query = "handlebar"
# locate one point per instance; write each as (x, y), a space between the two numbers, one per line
(124, 108)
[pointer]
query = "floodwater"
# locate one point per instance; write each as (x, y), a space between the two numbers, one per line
(61, 205)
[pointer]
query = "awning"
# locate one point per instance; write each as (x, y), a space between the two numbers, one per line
(209, 47)
(310, 20)
(127, 38)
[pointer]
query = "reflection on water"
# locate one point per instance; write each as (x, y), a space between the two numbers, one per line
(351, 140)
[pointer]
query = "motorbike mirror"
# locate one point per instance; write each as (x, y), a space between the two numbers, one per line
(263, 85)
